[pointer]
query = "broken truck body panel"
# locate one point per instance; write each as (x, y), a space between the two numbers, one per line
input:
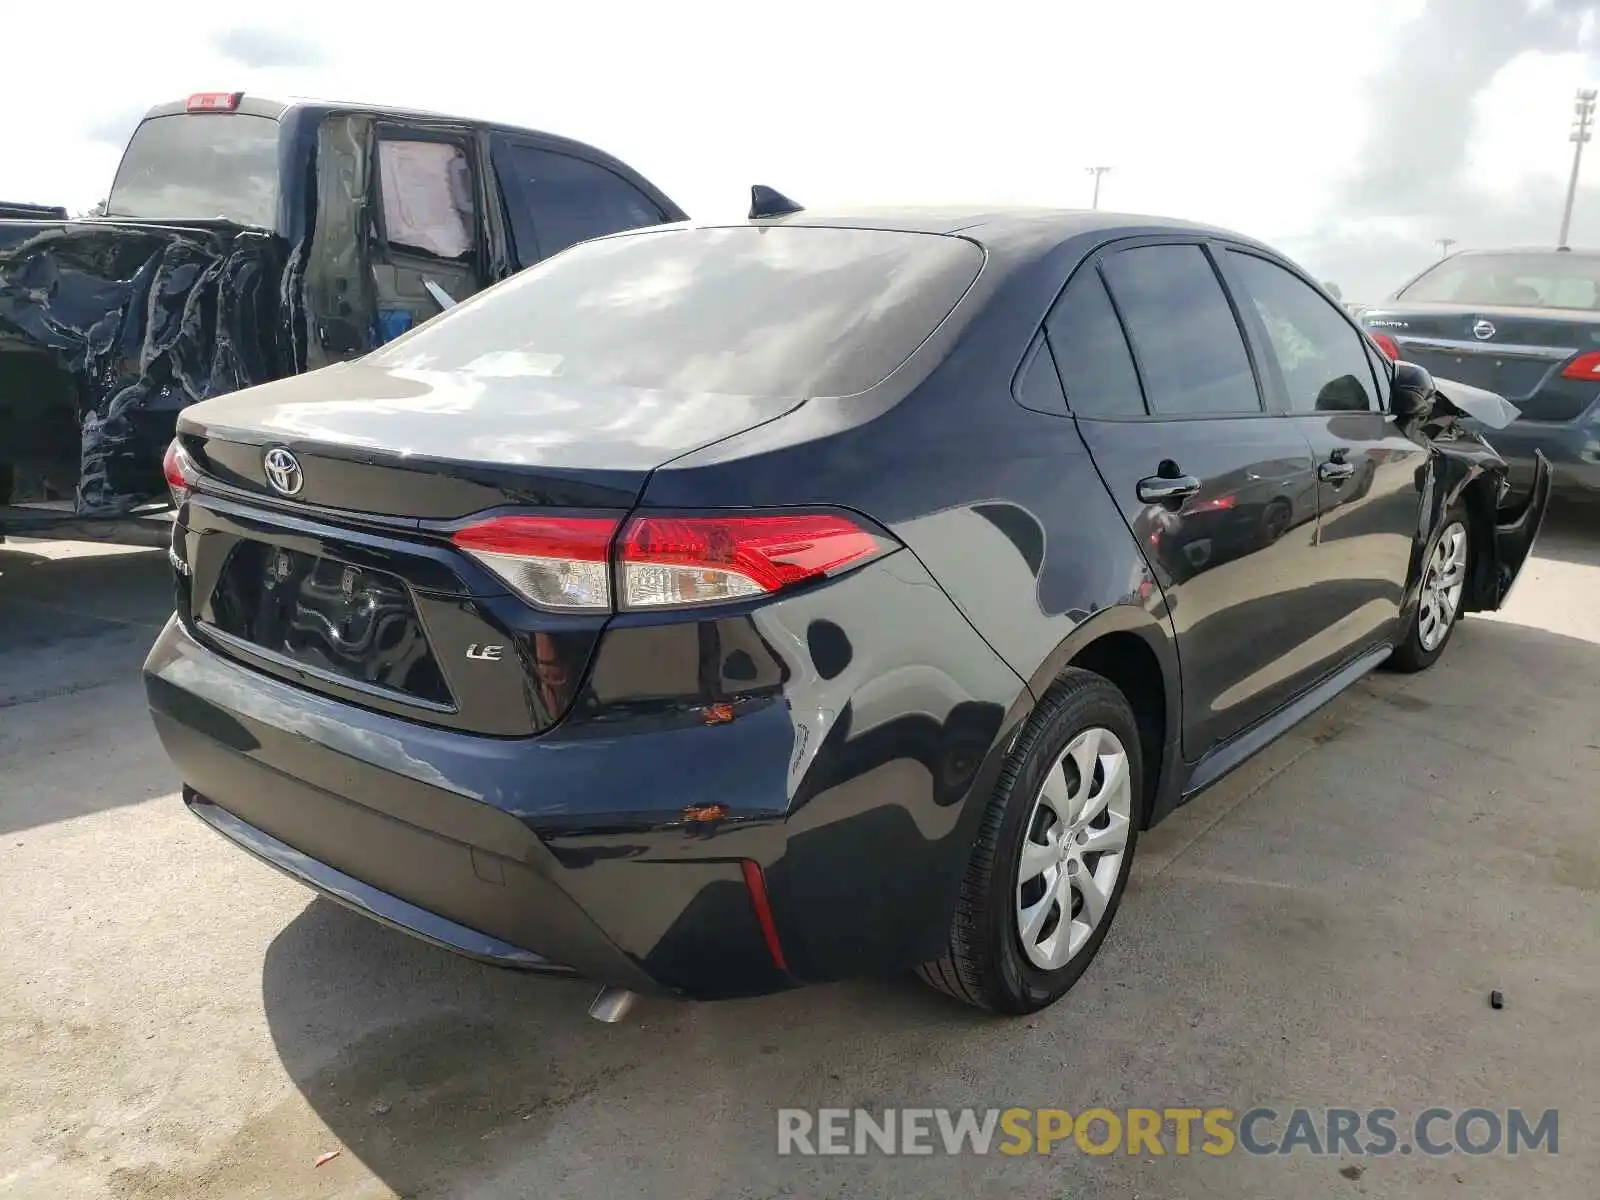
(143, 320)
(279, 255)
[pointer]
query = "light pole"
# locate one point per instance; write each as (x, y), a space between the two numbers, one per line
(1444, 245)
(1584, 108)
(1097, 172)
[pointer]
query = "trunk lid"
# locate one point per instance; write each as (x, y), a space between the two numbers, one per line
(1517, 352)
(352, 587)
(420, 445)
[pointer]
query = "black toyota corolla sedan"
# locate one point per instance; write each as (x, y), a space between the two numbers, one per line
(711, 610)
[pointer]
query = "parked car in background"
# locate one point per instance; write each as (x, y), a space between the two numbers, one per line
(710, 610)
(244, 240)
(1525, 324)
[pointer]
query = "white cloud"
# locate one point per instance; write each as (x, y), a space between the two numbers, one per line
(1246, 113)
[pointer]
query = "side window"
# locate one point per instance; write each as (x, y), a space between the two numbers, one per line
(555, 200)
(1091, 351)
(1036, 385)
(1322, 359)
(426, 187)
(1190, 351)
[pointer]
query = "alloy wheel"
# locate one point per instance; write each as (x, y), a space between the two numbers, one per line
(1442, 584)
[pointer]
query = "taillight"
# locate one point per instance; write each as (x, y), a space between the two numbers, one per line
(553, 562)
(180, 471)
(1585, 366)
(567, 563)
(670, 562)
(1390, 347)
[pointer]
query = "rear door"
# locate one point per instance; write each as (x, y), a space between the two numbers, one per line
(428, 232)
(1369, 503)
(555, 200)
(1219, 493)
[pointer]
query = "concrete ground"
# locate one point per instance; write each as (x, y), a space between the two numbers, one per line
(1323, 929)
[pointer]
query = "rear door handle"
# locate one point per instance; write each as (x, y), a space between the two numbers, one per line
(1335, 471)
(1159, 488)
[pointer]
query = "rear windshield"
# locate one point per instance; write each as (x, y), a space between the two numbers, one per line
(200, 165)
(789, 312)
(1554, 280)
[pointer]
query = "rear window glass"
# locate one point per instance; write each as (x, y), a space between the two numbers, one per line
(1528, 280)
(200, 165)
(792, 311)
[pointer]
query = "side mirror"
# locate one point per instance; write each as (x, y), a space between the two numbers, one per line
(1412, 394)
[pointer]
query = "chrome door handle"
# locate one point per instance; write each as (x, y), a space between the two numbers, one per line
(1157, 489)
(1335, 471)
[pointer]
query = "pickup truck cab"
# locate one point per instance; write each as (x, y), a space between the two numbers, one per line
(245, 240)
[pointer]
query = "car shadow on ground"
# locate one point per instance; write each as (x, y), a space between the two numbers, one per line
(1571, 534)
(444, 1077)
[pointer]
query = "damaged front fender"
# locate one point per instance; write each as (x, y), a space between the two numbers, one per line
(1469, 470)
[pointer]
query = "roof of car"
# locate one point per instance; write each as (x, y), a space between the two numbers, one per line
(1576, 251)
(998, 227)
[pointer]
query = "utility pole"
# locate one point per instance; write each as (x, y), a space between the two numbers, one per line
(1584, 108)
(1097, 172)
(1444, 245)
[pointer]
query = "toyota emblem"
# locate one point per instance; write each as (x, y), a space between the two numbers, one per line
(283, 472)
(1483, 330)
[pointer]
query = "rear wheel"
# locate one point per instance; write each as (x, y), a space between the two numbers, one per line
(1052, 856)
(1438, 610)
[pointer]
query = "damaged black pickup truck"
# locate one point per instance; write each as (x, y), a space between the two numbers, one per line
(244, 240)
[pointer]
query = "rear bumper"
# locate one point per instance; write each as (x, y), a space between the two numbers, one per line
(587, 850)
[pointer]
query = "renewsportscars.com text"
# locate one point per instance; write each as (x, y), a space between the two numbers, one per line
(1261, 1130)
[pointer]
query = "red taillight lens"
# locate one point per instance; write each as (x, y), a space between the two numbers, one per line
(214, 102)
(565, 563)
(554, 562)
(1585, 366)
(669, 562)
(1390, 348)
(180, 471)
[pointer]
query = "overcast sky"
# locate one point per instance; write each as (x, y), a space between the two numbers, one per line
(1350, 133)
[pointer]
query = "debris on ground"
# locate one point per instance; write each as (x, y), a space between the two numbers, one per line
(326, 1158)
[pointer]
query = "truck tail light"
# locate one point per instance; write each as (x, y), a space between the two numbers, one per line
(1585, 366)
(214, 102)
(180, 471)
(660, 562)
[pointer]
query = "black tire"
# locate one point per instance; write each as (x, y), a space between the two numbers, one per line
(985, 964)
(1410, 654)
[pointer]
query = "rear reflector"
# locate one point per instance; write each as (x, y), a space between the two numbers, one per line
(567, 563)
(553, 562)
(214, 102)
(1585, 366)
(755, 882)
(670, 562)
(1390, 348)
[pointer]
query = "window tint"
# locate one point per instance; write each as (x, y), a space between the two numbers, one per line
(427, 197)
(1092, 352)
(200, 165)
(556, 200)
(787, 312)
(1323, 360)
(1190, 351)
(1037, 386)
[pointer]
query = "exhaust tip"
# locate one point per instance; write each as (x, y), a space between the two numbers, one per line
(613, 1004)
